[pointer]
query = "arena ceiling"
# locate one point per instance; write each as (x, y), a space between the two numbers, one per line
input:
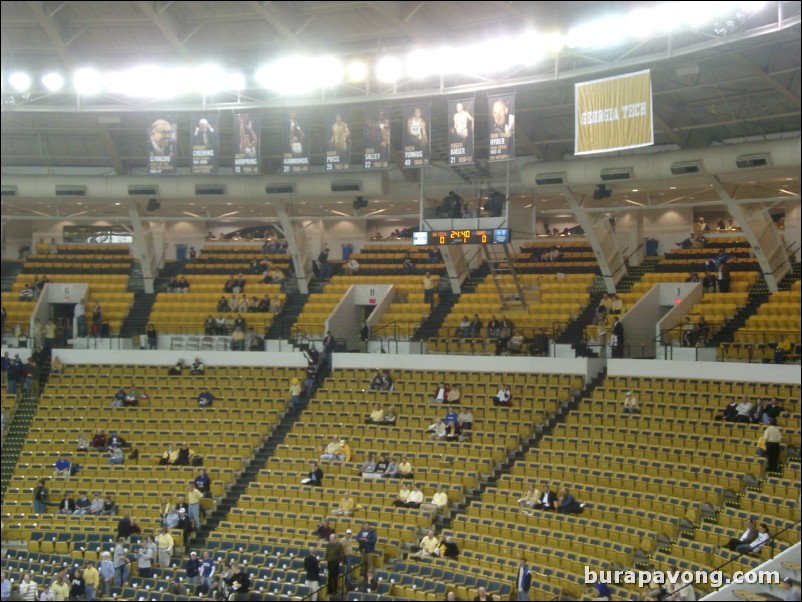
(715, 85)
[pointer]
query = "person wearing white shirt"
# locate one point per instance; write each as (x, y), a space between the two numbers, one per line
(438, 430)
(630, 404)
(773, 437)
(352, 267)
(503, 396)
(759, 541)
(465, 418)
(415, 498)
(744, 409)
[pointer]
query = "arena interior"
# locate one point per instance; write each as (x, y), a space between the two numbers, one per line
(271, 264)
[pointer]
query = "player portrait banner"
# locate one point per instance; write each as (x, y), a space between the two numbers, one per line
(205, 143)
(338, 145)
(416, 140)
(296, 145)
(614, 113)
(377, 138)
(162, 142)
(501, 135)
(460, 132)
(247, 127)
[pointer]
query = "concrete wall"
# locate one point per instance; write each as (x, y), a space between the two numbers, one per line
(762, 373)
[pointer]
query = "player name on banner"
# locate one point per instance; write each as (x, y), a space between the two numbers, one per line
(338, 146)
(377, 138)
(246, 143)
(162, 143)
(460, 132)
(501, 135)
(296, 148)
(614, 113)
(205, 143)
(417, 120)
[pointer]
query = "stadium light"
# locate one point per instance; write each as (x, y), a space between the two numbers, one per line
(87, 81)
(21, 82)
(53, 81)
(389, 69)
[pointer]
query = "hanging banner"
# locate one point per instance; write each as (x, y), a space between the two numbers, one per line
(162, 143)
(501, 136)
(205, 143)
(417, 149)
(377, 138)
(460, 132)
(246, 143)
(614, 113)
(296, 149)
(338, 147)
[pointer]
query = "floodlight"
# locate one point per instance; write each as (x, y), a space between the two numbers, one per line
(53, 81)
(389, 69)
(20, 81)
(356, 71)
(87, 81)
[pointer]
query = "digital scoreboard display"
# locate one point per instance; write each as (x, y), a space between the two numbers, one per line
(492, 236)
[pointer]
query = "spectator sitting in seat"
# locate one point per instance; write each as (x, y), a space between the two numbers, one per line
(548, 500)
(197, 368)
(62, 466)
(56, 366)
(403, 496)
(275, 305)
(441, 393)
(27, 293)
(516, 343)
(116, 455)
(387, 381)
(377, 381)
(503, 397)
(347, 505)
(428, 545)
(782, 349)
(702, 331)
(119, 398)
(475, 327)
(493, 328)
(465, 418)
(185, 455)
(630, 405)
(568, 505)
(220, 327)
(730, 411)
(529, 498)
(209, 326)
(448, 547)
(540, 343)
(616, 305)
(330, 450)
(314, 477)
(237, 340)
(324, 530)
(66, 505)
(389, 415)
(376, 415)
(757, 544)
(454, 394)
(405, 470)
(368, 466)
(83, 443)
(99, 439)
(393, 470)
(177, 369)
(438, 430)
(205, 399)
(439, 500)
(133, 397)
(222, 305)
(744, 410)
(352, 267)
(464, 328)
(688, 333)
(169, 456)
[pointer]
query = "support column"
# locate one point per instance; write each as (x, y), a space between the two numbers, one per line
(140, 247)
(762, 234)
(601, 237)
(296, 245)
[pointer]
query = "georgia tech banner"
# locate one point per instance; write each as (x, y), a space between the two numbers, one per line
(614, 113)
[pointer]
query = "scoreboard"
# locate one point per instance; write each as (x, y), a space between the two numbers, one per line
(462, 237)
